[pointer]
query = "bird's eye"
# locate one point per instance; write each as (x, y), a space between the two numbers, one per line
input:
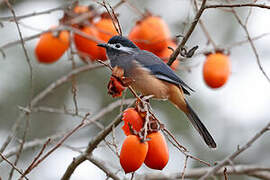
(117, 46)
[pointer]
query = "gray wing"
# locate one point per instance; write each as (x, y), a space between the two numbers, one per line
(160, 69)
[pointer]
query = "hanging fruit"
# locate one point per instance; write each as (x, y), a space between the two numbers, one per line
(51, 46)
(216, 69)
(87, 47)
(150, 33)
(133, 153)
(132, 117)
(158, 154)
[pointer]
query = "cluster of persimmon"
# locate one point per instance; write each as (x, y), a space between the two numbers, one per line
(136, 150)
(96, 29)
(149, 33)
(216, 69)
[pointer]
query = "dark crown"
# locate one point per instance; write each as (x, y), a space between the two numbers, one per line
(122, 40)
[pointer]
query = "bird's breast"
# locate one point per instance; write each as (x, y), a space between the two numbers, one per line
(148, 84)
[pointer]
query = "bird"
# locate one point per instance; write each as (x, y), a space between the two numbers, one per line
(151, 76)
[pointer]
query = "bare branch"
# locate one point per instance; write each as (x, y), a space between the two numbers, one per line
(102, 165)
(11, 164)
(251, 43)
(252, 170)
(237, 6)
(231, 157)
(91, 146)
(11, 18)
(187, 35)
(31, 86)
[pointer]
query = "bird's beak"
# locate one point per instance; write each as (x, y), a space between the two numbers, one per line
(104, 45)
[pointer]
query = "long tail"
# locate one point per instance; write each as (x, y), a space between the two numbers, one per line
(196, 122)
(177, 98)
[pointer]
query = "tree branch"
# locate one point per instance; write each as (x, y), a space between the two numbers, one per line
(187, 35)
(231, 157)
(251, 170)
(91, 146)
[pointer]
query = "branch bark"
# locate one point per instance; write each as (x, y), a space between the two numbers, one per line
(231, 157)
(188, 34)
(90, 147)
(250, 170)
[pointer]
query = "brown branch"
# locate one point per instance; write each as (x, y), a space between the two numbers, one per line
(188, 34)
(210, 40)
(231, 157)
(251, 44)
(11, 18)
(73, 78)
(91, 146)
(251, 170)
(18, 154)
(31, 144)
(36, 158)
(102, 165)
(11, 164)
(96, 117)
(37, 162)
(57, 29)
(46, 92)
(237, 6)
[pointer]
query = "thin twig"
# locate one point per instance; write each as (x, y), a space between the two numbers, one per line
(91, 146)
(39, 142)
(58, 144)
(31, 85)
(204, 28)
(73, 78)
(187, 35)
(36, 158)
(251, 43)
(102, 165)
(185, 167)
(194, 173)
(11, 164)
(236, 6)
(225, 173)
(11, 18)
(231, 157)
(46, 92)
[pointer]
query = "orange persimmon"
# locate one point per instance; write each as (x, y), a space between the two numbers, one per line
(150, 33)
(133, 153)
(158, 155)
(87, 47)
(105, 30)
(216, 69)
(52, 46)
(132, 117)
(166, 53)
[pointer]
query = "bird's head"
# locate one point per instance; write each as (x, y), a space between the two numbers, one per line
(119, 45)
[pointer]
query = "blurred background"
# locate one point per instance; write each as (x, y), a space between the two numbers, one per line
(233, 113)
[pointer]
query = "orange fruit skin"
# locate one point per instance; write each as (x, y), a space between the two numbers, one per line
(216, 70)
(131, 116)
(166, 53)
(158, 154)
(105, 30)
(50, 48)
(133, 153)
(150, 33)
(86, 46)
